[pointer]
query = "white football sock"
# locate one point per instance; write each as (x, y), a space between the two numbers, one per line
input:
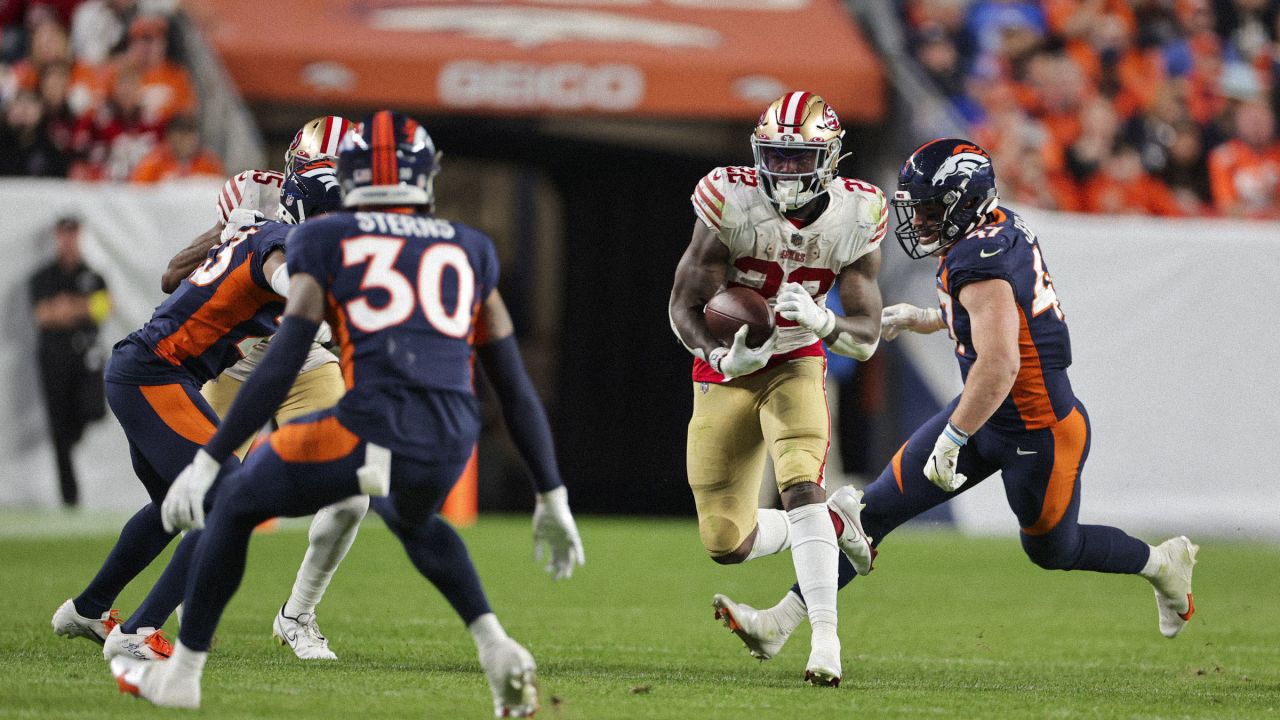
(333, 530)
(486, 630)
(789, 612)
(773, 534)
(186, 660)
(1155, 563)
(815, 555)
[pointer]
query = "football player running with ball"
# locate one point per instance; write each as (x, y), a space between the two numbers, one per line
(408, 296)
(1017, 413)
(789, 228)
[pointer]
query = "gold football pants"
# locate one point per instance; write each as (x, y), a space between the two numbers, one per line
(316, 389)
(782, 409)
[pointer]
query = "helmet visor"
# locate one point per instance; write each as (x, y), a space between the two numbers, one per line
(790, 160)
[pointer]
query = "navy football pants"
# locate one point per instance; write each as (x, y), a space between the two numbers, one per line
(1041, 472)
(308, 464)
(165, 425)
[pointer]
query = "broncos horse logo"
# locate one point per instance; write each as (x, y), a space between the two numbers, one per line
(962, 163)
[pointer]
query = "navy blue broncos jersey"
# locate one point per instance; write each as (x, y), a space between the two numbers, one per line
(403, 295)
(198, 331)
(1003, 248)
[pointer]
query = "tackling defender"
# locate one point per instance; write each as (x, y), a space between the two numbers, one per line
(1017, 413)
(152, 383)
(244, 200)
(408, 296)
(790, 229)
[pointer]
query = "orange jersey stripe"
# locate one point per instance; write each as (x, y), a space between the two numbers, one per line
(1029, 393)
(1069, 439)
(897, 467)
(177, 410)
(338, 324)
(323, 440)
(237, 299)
(943, 278)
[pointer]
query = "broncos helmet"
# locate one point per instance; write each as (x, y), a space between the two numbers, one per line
(309, 191)
(944, 190)
(318, 139)
(388, 159)
(796, 144)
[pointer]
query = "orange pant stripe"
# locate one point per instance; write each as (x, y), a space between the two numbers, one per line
(1069, 438)
(178, 411)
(323, 440)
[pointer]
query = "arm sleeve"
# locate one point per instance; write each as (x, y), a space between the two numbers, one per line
(266, 387)
(522, 409)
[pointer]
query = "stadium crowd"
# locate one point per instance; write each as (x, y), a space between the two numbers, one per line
(1163, 107)
(93, 90)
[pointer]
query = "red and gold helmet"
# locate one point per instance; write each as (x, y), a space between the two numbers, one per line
(317, 139)
(796, 143)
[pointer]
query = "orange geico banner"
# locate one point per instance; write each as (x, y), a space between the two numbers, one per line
(659, 58)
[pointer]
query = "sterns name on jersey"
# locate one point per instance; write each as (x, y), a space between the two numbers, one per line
(410, 225)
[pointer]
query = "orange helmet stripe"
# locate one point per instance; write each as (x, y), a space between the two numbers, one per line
(384, 149)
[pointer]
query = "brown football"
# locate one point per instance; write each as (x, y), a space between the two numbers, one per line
(730, 309)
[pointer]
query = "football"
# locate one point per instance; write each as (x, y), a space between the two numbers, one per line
(730, 309)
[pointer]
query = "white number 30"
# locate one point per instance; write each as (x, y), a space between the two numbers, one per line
(381, 254)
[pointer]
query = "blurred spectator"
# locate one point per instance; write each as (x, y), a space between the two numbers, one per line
(24, 135)
(1244, 172)
(166, 86)
(115, 137)
(69, 302)
(1075, 90)
(179, 156)
(1122, 187)
(98, 28)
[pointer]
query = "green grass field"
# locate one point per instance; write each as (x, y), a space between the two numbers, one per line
(948, 626)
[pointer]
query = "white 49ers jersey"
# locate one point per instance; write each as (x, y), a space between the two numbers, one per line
(255, 190)
(767, 250)
(259, 191)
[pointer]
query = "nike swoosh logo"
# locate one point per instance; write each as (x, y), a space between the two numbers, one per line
(985, 254)
(1026, 452)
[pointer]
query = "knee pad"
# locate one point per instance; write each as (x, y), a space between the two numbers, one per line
(721, 535)
(796, 461)
(1051, 553)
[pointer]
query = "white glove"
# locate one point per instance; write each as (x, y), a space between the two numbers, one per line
(940, 468)
(795, 304)
(183, 507)
(553, 527)
(238, 218)
(905, 316)
(741, 359)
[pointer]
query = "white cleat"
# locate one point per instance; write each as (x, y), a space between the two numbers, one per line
(512, 678)
(158, 683)
(68, 622)
(302, 634)
(1173, 584)
(854, 541)
(824, 661)
(759, 630)
(146, 644)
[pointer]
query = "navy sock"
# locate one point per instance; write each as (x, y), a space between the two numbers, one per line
(218, 560)
(141, 539)
(167, 593)
(439, 554)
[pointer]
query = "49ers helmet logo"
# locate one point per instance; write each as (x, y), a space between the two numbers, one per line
(829, 118)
